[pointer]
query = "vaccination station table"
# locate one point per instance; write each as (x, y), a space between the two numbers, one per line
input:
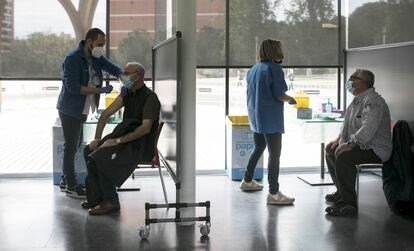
(319, 130)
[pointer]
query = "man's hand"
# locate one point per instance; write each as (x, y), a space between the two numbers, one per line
(109, 142)
(94, 144)
(105, 89)
(343, 148)
(331, 145)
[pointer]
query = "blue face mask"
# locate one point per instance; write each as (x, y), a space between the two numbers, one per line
(349, 87)
(126, 81)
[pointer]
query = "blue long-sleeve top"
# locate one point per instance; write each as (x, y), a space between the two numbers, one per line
(75, 74)
(265, 83)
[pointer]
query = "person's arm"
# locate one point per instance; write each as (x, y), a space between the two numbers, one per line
(287, 98)
(150, 113)
(109, 67)
(279, 86)
(114, 107)
(371, 118)
(71, 73)
(141, 130)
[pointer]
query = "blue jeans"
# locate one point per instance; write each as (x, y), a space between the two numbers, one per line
(274, 145)
(72, 133)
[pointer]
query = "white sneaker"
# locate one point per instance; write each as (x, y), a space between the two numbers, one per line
(279, 199)
(250, 186)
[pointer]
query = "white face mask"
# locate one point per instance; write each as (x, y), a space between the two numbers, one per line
(349, 87)
(97, 52)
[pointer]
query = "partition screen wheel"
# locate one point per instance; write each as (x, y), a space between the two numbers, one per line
(205, 228)
(144, 232)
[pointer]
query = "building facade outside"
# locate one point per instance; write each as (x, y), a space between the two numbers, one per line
(6, 25)
(151, 17)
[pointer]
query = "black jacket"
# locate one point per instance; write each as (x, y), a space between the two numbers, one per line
(397, 172)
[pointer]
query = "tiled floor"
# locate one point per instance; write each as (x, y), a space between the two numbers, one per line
(34, 215)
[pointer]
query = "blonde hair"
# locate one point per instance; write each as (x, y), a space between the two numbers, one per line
(270, 50)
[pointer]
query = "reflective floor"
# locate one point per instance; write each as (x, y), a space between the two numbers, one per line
(34, 215)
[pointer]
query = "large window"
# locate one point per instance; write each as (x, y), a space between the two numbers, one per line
(210, 119)
(35, 37)
(211, 32)
(319, 85)
(380, 22)
(308, 30)
(136, 26)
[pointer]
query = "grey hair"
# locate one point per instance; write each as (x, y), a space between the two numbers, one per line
(367, 76)
(140, 68)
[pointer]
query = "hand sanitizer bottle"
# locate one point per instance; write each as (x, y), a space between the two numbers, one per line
(328, 107)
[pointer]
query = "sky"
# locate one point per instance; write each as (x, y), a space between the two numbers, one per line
(49, 16)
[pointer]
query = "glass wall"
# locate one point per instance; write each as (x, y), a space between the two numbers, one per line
(317, 84)
(35, 37)
(134, 27)
(308, 30)
(26, 119)
(211, 27)
(378, 22)
(210, 119)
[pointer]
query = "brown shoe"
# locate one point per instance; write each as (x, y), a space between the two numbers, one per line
(105, 208)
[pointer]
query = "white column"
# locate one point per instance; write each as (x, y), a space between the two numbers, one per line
(186, 23)
(168, 16)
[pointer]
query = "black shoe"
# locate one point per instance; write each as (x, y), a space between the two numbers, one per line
(76, 192)
(62, 184)
(332, 197)
(341, 209)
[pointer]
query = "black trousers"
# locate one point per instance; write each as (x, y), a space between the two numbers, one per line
(274, 145)
(72, 133)
(98, 187)
(342, 169)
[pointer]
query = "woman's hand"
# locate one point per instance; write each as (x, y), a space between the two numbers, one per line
(292, 101)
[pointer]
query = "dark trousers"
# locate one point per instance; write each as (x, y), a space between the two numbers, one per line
(342, 169)
(274, 144)
(72, 131)
(98, 187)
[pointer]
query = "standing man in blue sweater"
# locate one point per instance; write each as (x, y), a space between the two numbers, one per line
(81, 87)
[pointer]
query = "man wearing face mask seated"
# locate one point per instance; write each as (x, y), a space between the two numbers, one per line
(365, 138)
(112, 159)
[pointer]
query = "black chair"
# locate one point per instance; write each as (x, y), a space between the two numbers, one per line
(154, 163)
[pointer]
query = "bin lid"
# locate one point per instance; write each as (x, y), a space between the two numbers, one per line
(237, 120)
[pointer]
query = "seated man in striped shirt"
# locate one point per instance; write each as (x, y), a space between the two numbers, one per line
(365, 138)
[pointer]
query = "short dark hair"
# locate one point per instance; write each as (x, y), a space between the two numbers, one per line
(93, 34)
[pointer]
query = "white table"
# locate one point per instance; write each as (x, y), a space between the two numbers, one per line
(320, 131)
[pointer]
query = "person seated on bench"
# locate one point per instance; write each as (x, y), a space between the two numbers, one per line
(365, 137)
(111, 160)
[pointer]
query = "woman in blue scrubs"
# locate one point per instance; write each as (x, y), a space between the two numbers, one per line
(266, 89)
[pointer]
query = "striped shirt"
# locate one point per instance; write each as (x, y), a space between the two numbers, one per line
(367, 124)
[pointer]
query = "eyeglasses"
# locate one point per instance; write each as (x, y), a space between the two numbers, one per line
(355, 78)
(129, 72)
